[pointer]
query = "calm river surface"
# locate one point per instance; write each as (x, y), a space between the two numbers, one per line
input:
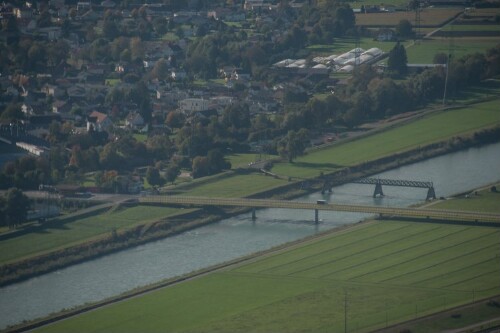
(117, 273)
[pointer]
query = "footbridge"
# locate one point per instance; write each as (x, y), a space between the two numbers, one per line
(437, 214)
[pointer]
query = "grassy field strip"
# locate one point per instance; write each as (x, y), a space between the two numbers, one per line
(470, 277)
(316, 248)
(404, 253)
(441, 263)
(236, 186)
(342, 261)
(338, 248)
(407, 269)
(388, 263)
(458, 274)
(353, 249)
(323, 257)
(377, 261)
(59, 236)
(419, 132)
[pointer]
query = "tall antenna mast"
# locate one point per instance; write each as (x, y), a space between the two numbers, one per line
(417, 21)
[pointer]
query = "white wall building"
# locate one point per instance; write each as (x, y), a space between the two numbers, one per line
(193, 105)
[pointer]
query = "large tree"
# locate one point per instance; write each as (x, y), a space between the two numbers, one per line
(397, 61)
(293, 144)
(16, 205)
(154, 178)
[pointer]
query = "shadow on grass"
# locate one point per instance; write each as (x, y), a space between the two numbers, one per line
(317, 165)
(56, 224)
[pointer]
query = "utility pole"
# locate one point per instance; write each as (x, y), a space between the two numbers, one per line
(446, 79)
(345, 311)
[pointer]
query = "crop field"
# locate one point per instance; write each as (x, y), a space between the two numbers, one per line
(472, 27)
(420, 132)
(367, 276)
(428, 17)
(58, 236)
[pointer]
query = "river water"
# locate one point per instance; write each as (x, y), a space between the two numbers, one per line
(234, 237)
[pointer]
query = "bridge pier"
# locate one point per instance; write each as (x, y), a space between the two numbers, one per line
(327, 186)
(431, 194)
(316, 213)
(254, 217)
(378, 190)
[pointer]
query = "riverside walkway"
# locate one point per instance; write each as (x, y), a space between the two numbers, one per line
(396, 212)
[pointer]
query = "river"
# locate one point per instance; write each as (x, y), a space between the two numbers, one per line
(234, 237)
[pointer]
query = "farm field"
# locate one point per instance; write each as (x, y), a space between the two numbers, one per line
(428, 17)
(424, 52)
(419, 132)
(472, 27)
(58, 236)
(368, 276)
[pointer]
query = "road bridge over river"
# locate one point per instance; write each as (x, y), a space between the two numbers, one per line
(436, 214)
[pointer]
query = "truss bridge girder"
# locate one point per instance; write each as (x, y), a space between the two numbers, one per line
(394, 182)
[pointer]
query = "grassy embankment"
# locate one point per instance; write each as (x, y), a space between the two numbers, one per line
(58, 236)
(386, 272)
(420, 132)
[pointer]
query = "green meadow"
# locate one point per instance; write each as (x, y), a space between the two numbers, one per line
(423, 52)
(368, 276)
(54, 236)
(420, 132)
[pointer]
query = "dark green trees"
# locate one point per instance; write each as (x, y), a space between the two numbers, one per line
(397, 59)
(14, 208)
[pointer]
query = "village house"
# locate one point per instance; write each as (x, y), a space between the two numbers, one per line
(98, 121)
(134, 121)
(60, 106)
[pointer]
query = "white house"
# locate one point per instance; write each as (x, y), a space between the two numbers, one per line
(194, 105)
(178, 75)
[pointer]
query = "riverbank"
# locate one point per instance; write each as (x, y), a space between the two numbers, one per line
(183, 222)
(235, 269)
(118, 241)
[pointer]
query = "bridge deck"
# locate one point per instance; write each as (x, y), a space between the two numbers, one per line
(385, 211)
(394, 182)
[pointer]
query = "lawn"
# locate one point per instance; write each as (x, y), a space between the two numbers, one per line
(424, 51)
(421, 132)
(236, 186)
(51, 238)
(367, 276)
(242, 160)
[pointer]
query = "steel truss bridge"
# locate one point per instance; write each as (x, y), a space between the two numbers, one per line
(378, 182)
(435, 214)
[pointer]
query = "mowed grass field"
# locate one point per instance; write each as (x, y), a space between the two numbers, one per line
(428, 17)
(58, 236)
(425, 50)
(370, 275)
(420, 132)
